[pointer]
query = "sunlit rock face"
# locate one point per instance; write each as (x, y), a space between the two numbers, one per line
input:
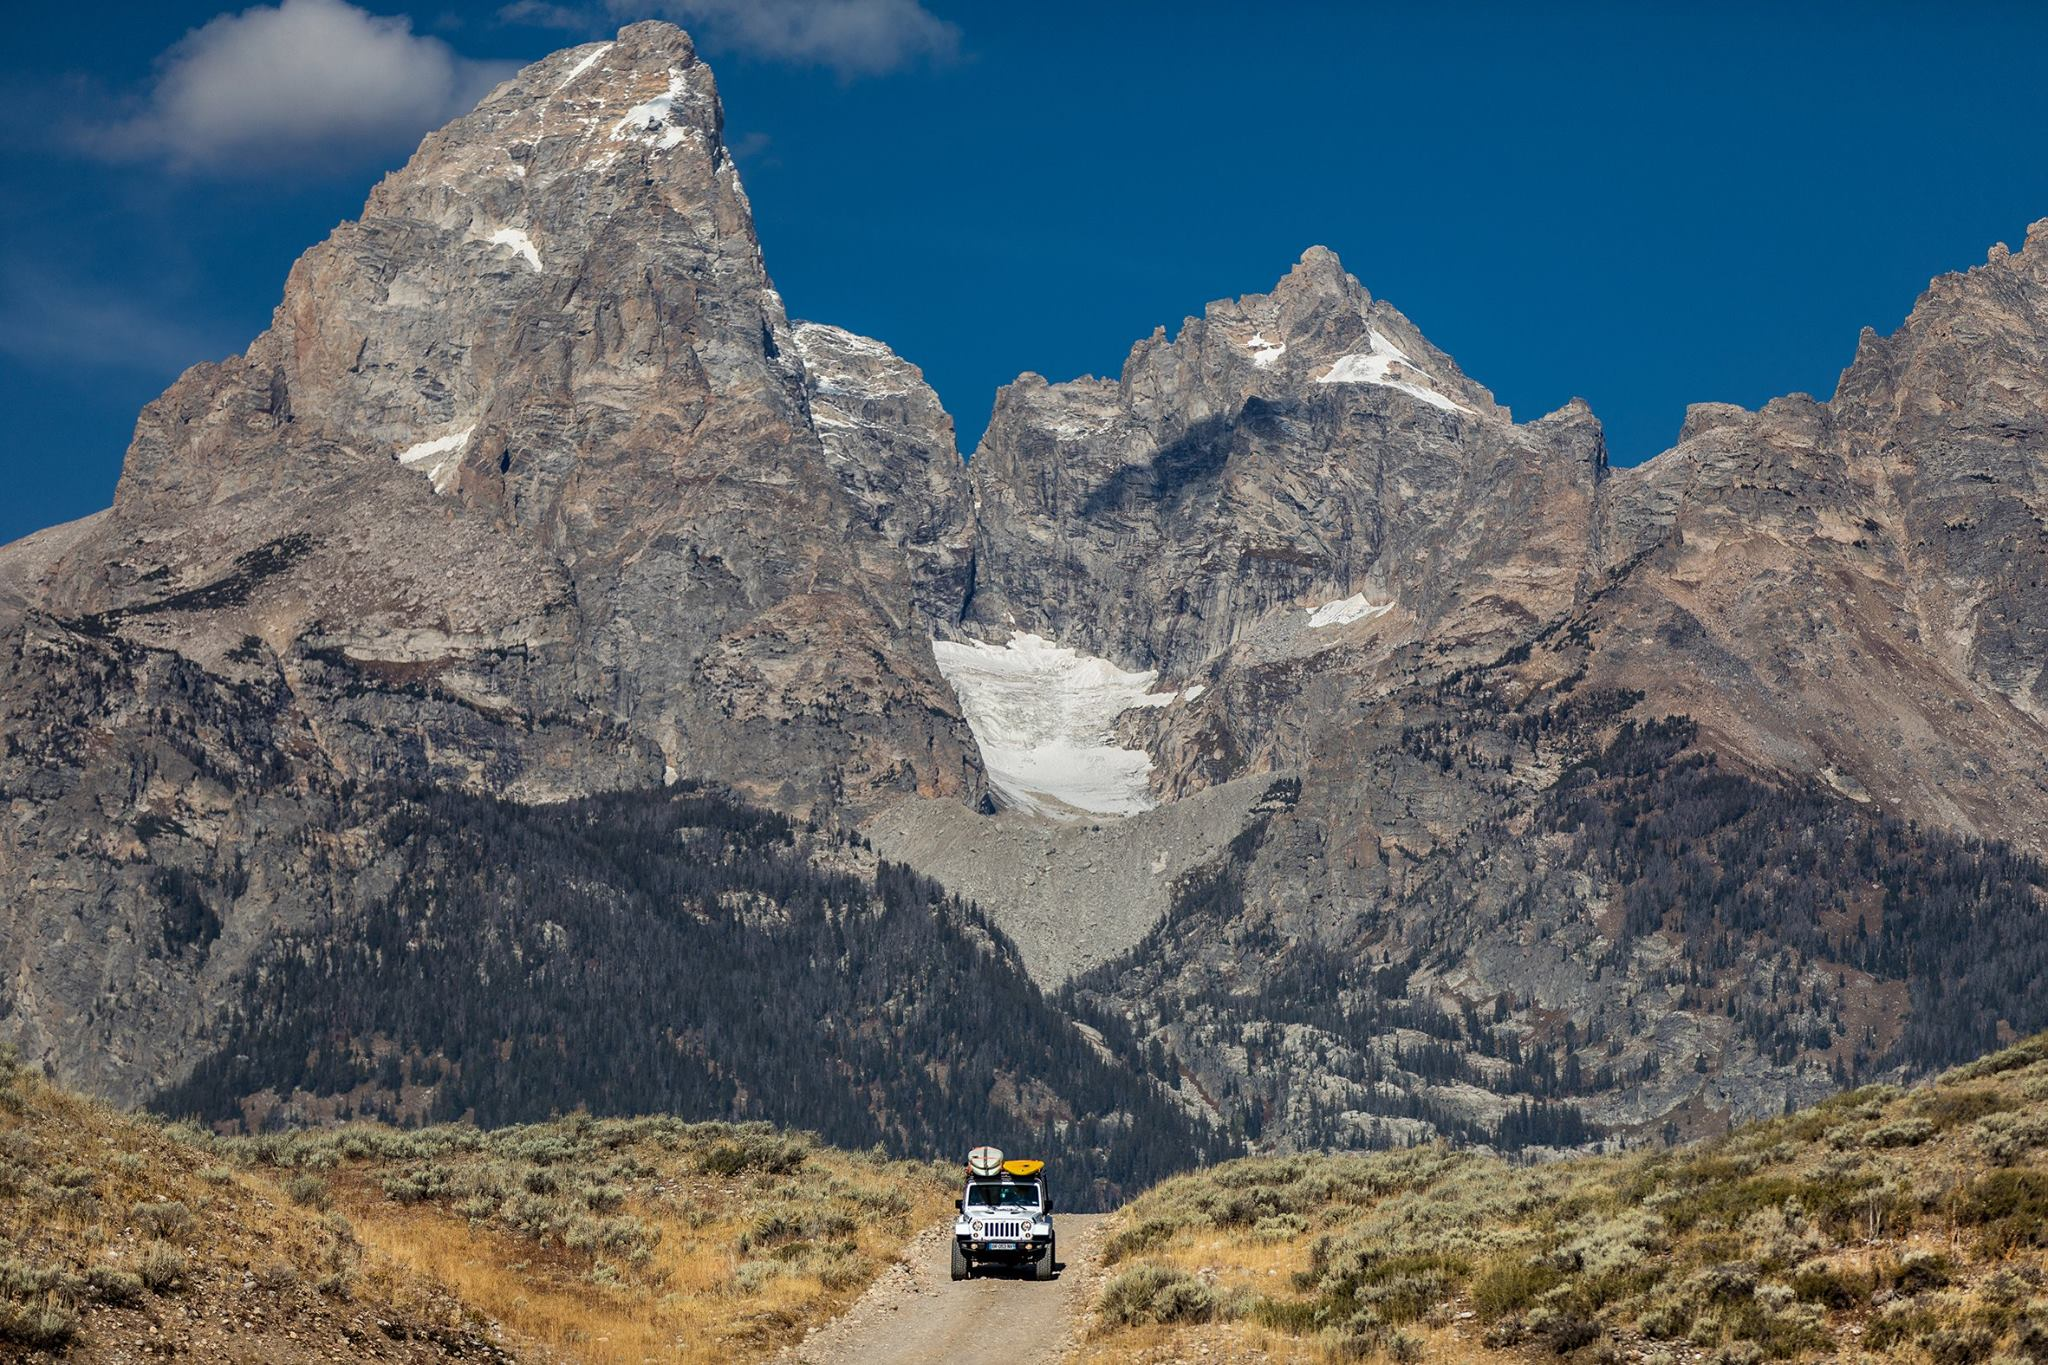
(1283, 449)
(529, 488)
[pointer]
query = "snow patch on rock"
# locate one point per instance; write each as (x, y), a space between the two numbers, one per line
(1265, 352)
(1349, 609)
(654, 122)
(832, 357)
(519, 242)
(1388, 366)
(589, 60)
(1043, 717)
(438, 459)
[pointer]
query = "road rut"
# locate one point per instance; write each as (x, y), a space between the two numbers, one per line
(916, 1312)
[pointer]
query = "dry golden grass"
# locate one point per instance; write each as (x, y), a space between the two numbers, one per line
(1878, 1226)
(110, 1225)
(620, 1241)
(693, 1298)
(590, 1241)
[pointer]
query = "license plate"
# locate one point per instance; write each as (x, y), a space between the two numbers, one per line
(1002, 1246)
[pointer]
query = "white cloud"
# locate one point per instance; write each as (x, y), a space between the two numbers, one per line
(302, 83)
(851, 37)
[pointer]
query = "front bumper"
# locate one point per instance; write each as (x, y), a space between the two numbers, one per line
(1020, 1249)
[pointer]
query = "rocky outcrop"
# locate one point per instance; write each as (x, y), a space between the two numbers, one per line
(892, 445)
(536, 425)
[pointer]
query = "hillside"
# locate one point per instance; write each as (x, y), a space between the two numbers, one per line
(673, 951)
(577, 1241)
(1881, 1224)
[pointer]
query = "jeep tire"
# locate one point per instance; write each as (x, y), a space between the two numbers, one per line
(1047, 1265)
(961, 1270)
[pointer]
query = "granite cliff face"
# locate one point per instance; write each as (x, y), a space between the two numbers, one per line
(1497, 748)
(1285, 450)
(1384, 765)
(531, 488)
(1852, 589)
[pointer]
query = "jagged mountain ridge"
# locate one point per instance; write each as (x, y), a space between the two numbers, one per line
(500, 501)
(533, 490)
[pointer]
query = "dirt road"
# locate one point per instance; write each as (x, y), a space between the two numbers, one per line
(915, 1312)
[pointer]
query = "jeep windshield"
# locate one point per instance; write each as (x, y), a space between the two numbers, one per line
(1002, 1196)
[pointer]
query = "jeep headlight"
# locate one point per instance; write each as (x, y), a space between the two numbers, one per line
(978, 1228)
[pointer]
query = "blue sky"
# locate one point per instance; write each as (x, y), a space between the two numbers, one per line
(1643, 205)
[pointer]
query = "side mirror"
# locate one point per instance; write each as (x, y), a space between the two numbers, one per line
(960, 1206)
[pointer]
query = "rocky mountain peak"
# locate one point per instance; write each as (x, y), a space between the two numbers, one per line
(1283, 451)
(1973, 349)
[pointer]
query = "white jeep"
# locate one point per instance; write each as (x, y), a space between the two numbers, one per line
(1006, 1220)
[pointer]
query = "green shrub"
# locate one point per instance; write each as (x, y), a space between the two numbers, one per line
(275, 1276)
(1919, 1270)
(1141, 1236)
(309, 1191)
(1897, 1324)
(39, 1326)
(1293, 1316)
(752, 1276)
(163, 1218)
(2011, 1059)
(1279, 1227)
(1958, 1345)
(2007, 1137)
(1947, 1107)
(20, 1280)
(2010, 1205)
(768, 1152)
(842, 1270)
(1903, 1133)
(2030, 1333)
(602, 1198)
(1155, 1293)
(1729, 1282)
(112, 1286)
(1665, 1322)
(1831, 1286)
(1567, 1332)
(76, 1203)
(162, 1268)
(419, 1184)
